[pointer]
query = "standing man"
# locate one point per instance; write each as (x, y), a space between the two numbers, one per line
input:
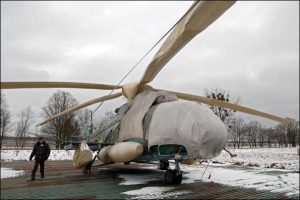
(41, 151)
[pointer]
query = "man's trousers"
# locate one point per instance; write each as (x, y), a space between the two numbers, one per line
(36, 164)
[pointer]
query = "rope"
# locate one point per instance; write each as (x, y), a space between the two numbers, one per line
(147, 54)
(205, 170)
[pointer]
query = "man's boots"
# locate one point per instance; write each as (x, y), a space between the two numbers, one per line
(32, 176)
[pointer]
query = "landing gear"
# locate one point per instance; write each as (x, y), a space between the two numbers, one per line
(169, 177)
(163, 165)
(172, 176)
(87, 168)
(178, 178)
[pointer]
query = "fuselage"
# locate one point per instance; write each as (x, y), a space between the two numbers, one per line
(166, 122)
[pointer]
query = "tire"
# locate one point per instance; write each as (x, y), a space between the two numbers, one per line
(169, 177)
(178, 178)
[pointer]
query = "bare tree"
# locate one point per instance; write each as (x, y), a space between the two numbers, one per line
(22, 127)
(108, 117)
(62, 127)
(287, 135)
(270, 136)
(262, 136)
(5, 118)
(281, 135)
(222, 95)
(254, 131)
(293, 132)
(237, 130)
(85, 120)
(84, 116)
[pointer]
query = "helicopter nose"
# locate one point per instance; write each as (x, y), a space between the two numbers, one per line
(189, 124)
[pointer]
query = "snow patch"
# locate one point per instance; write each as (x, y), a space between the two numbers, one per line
(9, 173)
(154, 193)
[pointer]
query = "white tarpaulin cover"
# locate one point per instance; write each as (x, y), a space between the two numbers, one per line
(131, 125)
(189, 124)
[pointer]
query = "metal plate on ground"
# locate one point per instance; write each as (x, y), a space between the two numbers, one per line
(62, 181)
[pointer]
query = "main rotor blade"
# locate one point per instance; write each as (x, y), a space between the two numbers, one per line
(231, 106)
(21, 85)
(197, 20)
(93, 101)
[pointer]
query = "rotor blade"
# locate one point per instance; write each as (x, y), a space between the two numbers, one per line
(21, 85)
(198, 19)
(93, 101)
(231, 106)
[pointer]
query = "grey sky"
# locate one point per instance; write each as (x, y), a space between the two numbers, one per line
(252, 50)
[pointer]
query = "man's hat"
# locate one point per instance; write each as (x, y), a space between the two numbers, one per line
(41, 138)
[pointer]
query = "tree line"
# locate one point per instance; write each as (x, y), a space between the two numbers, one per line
(241, 134)
(59, 130)
(254, 135)
(251, 134)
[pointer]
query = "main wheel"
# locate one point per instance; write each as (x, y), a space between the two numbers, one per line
(169, 177)
(178, 178)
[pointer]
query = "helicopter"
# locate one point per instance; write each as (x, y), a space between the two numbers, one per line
(154, 125)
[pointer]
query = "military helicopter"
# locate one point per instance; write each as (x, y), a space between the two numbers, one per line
(154, 125)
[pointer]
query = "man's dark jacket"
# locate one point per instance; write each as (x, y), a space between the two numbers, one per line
(41, 151)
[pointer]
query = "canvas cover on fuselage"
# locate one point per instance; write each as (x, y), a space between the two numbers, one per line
(185, 123)
(131, 125)
(189, 124)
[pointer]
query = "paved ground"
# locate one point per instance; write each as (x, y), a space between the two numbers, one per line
(62, 181)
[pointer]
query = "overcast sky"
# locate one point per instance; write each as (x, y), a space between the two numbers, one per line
(252, 50)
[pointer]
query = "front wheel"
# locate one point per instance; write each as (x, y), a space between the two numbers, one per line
(178, 178)
(169, 177)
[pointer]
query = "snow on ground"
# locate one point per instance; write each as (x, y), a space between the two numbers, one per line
(268, 179)
(154, 193)
(283, 158)
(23, 155)
(275, 169)
(8, 173)
(262, 179)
